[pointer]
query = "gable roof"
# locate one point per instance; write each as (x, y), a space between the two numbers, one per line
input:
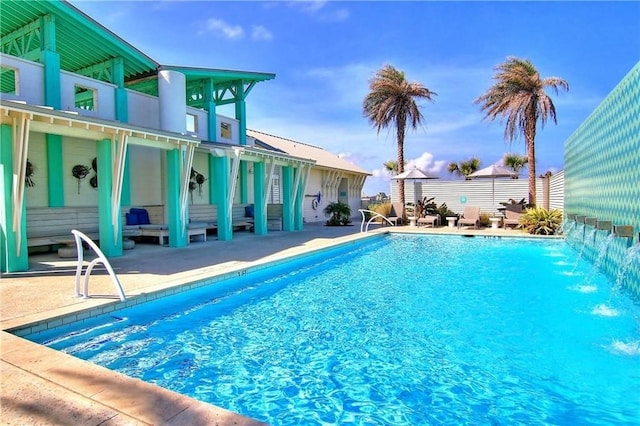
(323, 158)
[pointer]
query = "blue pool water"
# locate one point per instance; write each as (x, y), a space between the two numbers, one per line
(406, 330)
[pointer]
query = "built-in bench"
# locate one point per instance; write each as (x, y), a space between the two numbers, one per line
(274, 217)
(49, 226)
(208, 213)
(157, 228)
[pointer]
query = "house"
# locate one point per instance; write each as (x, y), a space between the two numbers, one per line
(92, 126)
(331, 178)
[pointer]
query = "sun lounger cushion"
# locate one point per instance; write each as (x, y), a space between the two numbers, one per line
(249, 211)
(137, 216)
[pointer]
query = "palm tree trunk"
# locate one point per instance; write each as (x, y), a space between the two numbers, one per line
(400, 144)
(530, 136)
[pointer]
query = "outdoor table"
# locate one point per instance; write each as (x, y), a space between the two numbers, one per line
(495, 221)
(451, 221)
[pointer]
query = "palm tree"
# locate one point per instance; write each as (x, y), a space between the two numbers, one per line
(518, 95)
(515, 162)
(391, 167)
(465, 168)
(392, 102)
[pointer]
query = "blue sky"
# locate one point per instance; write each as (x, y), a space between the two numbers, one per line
(325, 52)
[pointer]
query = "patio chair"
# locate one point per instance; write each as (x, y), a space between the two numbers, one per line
(432, 220)
(397, 213)
(512, 215)
(471, 216)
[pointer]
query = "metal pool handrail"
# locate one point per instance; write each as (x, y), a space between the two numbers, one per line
(79, 236)
(374, 216)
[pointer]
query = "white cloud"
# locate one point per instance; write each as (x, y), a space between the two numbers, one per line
(322, 10)
(260, 32)
(426, 163)
(309, 6)
(224, 29)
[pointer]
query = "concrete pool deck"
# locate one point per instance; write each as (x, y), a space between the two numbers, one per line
(43, 386)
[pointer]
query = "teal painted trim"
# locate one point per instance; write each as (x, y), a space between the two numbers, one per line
(260, 217)
(10, 260)
(177, 238)
(210, 107)
(244, 182)
(287, 198)
(221, 173)
(125, 197)
(241, 113)
(298, 208)
(105, 209)
(55, 172)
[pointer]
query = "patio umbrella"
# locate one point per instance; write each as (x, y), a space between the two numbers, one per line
(493, 172)
(414, 174)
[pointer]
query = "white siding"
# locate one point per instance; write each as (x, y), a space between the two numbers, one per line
(556, 191)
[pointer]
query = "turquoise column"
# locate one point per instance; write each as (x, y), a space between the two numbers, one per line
(108, 246)
(287, 198)
(52, 97)
(298, 216)
(241, 113)
(117, 78)
(51, 61)
(210, 107)
(10, 259)
(177, 238)
(55, 172)
(260, 216)
(225, 231)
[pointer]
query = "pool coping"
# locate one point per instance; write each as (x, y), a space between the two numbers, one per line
(90, 394)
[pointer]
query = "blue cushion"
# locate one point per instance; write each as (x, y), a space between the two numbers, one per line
(143, 215)
(132, 219)
(248, 211)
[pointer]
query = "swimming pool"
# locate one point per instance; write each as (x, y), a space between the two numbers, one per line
(403, 330)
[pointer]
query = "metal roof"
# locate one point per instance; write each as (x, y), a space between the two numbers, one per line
(324, 159)
(86, 47)
(80, 41)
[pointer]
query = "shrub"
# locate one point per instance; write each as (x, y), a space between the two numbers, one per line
(340, 213)
(384, 209)
(540, 221)
(484, 220)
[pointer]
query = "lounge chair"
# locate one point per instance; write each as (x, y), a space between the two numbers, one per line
(512, 215)
(471, 216)
(432, 220)
(397, 213)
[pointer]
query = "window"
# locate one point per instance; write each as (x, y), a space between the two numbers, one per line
(225, 130)
(9, 80)
(192, 123)
(85, 98)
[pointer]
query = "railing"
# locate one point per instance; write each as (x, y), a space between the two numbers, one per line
(374, 215)
(79, 237)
